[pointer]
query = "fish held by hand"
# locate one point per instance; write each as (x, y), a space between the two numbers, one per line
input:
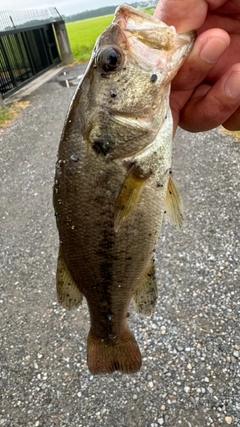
(113, 182)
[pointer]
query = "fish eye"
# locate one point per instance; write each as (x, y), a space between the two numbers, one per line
(110, 58)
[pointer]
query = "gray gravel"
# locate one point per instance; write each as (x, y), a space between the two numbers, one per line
(190, 347)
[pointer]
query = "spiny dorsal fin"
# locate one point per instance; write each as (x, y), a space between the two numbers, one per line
(145, 297)
(173, 205)
(129, 195)
(68, 293)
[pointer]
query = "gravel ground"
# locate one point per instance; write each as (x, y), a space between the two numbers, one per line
(190, 347)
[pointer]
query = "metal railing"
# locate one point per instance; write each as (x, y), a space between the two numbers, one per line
(12, 19)
(28, 46)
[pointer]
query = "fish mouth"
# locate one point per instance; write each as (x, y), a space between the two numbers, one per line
(154, 32)
(152, 42)
(151, 31)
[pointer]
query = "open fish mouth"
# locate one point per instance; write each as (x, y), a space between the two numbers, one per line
(149, 37)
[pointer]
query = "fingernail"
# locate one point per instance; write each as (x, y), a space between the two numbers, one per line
(232, 85)
(213, 49)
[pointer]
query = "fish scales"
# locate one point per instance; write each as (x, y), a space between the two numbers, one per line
(112, 178)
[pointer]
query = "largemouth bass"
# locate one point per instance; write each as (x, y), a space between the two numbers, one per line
(113, 182)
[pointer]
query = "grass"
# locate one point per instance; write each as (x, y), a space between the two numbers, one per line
(83, 34)
(235, 133)
(7, 114)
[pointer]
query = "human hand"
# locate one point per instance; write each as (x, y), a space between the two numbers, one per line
(206, 91)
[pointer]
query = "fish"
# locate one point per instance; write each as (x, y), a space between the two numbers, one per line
(113, 182)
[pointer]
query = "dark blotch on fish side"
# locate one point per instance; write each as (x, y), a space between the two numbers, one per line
(102, 147)
(113, 93)
(74, 158)
(154, 78)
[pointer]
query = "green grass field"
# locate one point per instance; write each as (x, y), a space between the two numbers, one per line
(83, 34)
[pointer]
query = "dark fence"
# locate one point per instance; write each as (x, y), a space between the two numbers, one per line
(25, 52)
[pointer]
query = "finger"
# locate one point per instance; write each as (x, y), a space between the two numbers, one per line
(177, 101)
(231, 7)
(233, 123)
(185, 15)
(207, 49)
(210, 106)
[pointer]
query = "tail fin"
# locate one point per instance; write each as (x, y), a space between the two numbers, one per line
(119, 354)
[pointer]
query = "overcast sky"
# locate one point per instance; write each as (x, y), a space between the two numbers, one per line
(65, 7)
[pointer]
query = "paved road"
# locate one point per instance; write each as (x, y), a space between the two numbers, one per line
(191, 346)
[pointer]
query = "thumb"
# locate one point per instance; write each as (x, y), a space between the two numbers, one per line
(185, 15)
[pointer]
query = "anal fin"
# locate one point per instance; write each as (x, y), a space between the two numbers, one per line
(68, 293)
(129, 195)
(173, 205)
(145, 297)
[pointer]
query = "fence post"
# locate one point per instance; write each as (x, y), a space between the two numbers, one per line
(63, 42)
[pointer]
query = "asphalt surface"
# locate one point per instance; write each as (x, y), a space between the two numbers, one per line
(190, 347)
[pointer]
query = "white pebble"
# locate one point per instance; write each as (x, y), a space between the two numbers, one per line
(236, 354)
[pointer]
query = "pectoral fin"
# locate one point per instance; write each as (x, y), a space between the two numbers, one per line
(173, 205)
(68, 293)
(129, 195)
(145, 297)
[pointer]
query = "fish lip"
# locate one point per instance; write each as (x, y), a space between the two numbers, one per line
(124, 16)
